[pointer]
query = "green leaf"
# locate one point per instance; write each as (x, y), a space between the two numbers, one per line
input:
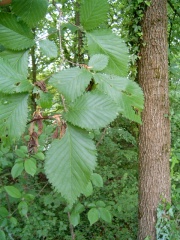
(71, 82)
(13, 192)
(17, 170)
(98, 62)
(23, 208)
(89, 190)
(17, 60)
(31, 11)
(105, 215)
(75, 218)
(93, 215)
(11, 81)
(48, 48)
(100, 204)
(70, 162)
(4, 212)
(30, 166)
(97, 180)
(105, 42)
(93, 13)
(45, 99)
(13, 115)
(92, 110)
(2, 235)
(20, 153)
(79, 208)
(39, 156)
(126, 93)
(14, 34)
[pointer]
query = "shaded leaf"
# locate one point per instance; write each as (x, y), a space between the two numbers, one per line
(30, 166)
(48, 48)
(3, 212)
(71, 82)
(97, 180)
(70, 162)
(105, 215)
(23, 208)
(75, 218)
(92, 110)
(89, 190)
(105, 42)
(13, 115)
(14, 34)
(31, 11)
(11, 81)
(93, 215)
(2, 235)
(93, 13)
(13, 192)
(98, 62)
(45, 99)
(17, 169)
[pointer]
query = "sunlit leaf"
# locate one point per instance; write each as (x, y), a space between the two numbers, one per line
(93, 215)
(98, 62)
(13, 192)
(30, 166)
(97, 180)
(105, 215)
(93, 13)
(17, 169)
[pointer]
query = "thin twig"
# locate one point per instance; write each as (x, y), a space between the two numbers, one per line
(71, 227)
(102, 137)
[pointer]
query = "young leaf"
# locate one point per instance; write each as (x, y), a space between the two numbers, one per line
(105, 215)
(93, 215)
(105, 42)
(3, 212)
(31, 11)
(13, 114)
(98, 62)
(70, 162)
(92, 110)
(93, 13)
(97, 180)
(48, 48)
(17, 169)
(14, 34)
(13, 192)
(23, 208)
(2, 235)
(89, 190)
(71, 82)
(11, 81)
(39, 156)
(45, 99)
(17, 60)
(30, 166)
(75, 218)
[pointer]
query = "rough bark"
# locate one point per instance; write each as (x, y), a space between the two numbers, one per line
(154, 139)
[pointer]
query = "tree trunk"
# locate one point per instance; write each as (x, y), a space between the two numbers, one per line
(154, 139)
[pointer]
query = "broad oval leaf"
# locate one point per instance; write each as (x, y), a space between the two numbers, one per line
(92, 110)
(30, 166)
(13, 192)
(11, 81)
(105, 215)
(48, 48)
(105, 42)
(17, 169)
(3, 212)
(89, 190)
(2, 235)
(93, 13)
(93, 215)
(70, 162)
(14, 34)
(97, 180)
(23, 208)
(75, 218)
(31, 11)
(13, 115)
(71, 82)
(98, 62)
